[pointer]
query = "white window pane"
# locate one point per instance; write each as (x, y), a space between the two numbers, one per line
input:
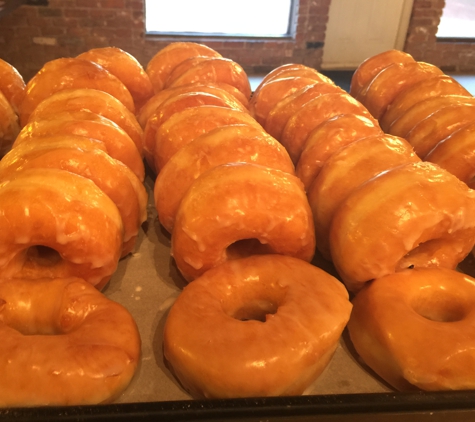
(458, 19)
(226, 17)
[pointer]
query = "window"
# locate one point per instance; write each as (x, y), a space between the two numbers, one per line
(458, 20)
(242, 18)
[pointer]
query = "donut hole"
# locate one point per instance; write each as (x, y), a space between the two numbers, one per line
(436, 304)
(43, 256)
(247, 247)
(256, 311)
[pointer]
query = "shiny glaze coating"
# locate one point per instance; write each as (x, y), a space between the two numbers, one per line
(422, 90)
(111, 176)
(392, 80)
(314, 113)
(416, 215)
(89, 125)
(9, 126)
(216, 69)
(361, 160)
(65, 214)
(225, 144)
(175, 104)
(186, 125)
(370, 67)
(279, 115)
(329, 137)
(415, 329)
(260, 326)
(239, 202)
(126, 68)
(70, 73)
(63, 343)
(164, 61)
(12, 84)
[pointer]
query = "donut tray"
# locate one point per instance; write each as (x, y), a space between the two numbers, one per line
(147, 282)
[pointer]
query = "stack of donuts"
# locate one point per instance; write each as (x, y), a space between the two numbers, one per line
(12, 86)
(242, 235)
(71, 205)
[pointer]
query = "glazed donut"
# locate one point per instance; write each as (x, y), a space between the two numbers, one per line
(126, 68)
(219, 90)
(314, 113)
(280, 114)
(182, 67)
(264, 100)
(93, 101)
(392, 80)
(327, 138)
(345, 170)
(70, 153)
(177, 103)
(423, 109)
(185, 126)
(58, 224)
(436, 352)
(216, 69)
(225, 144)
(455, 154)
(240, 209)
(116, 142)
(426, 134)
(12, 85)
(270, 328)
(63, 343)
(164, 61)
(70, 73)
(370, 67)
(415, 215)
(431, 87)
(9, 127)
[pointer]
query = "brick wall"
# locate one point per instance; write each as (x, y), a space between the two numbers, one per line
(32, 35)
(421, 40)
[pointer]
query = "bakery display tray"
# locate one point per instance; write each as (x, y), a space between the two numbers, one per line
(147, 282)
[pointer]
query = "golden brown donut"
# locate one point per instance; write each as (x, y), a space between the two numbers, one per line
(264, 100)
(240, 209)
(12, 84)
(381, 91)
(314, 113)
(455, 154)
(215, 89)
(431, 87)
(329, 137)
(280, 312)
(177, 103)
(348, 168)
(436, 352)
(416, 215)
(185, 126)
(426, 134)
(215, 70)
(370, 67)
(163, 62)
(70, 73)
(91, 100)
(58, 224)
(63, 343)
(283, 110)
(423, 109)
(116, 142)
(126, 68)
(182, 67)
(222, 145)
(70, 153)
(9, 125)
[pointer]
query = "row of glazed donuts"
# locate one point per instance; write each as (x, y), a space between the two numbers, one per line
(241, 232)
(383, 216)
(428, 108)
(72, 202)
